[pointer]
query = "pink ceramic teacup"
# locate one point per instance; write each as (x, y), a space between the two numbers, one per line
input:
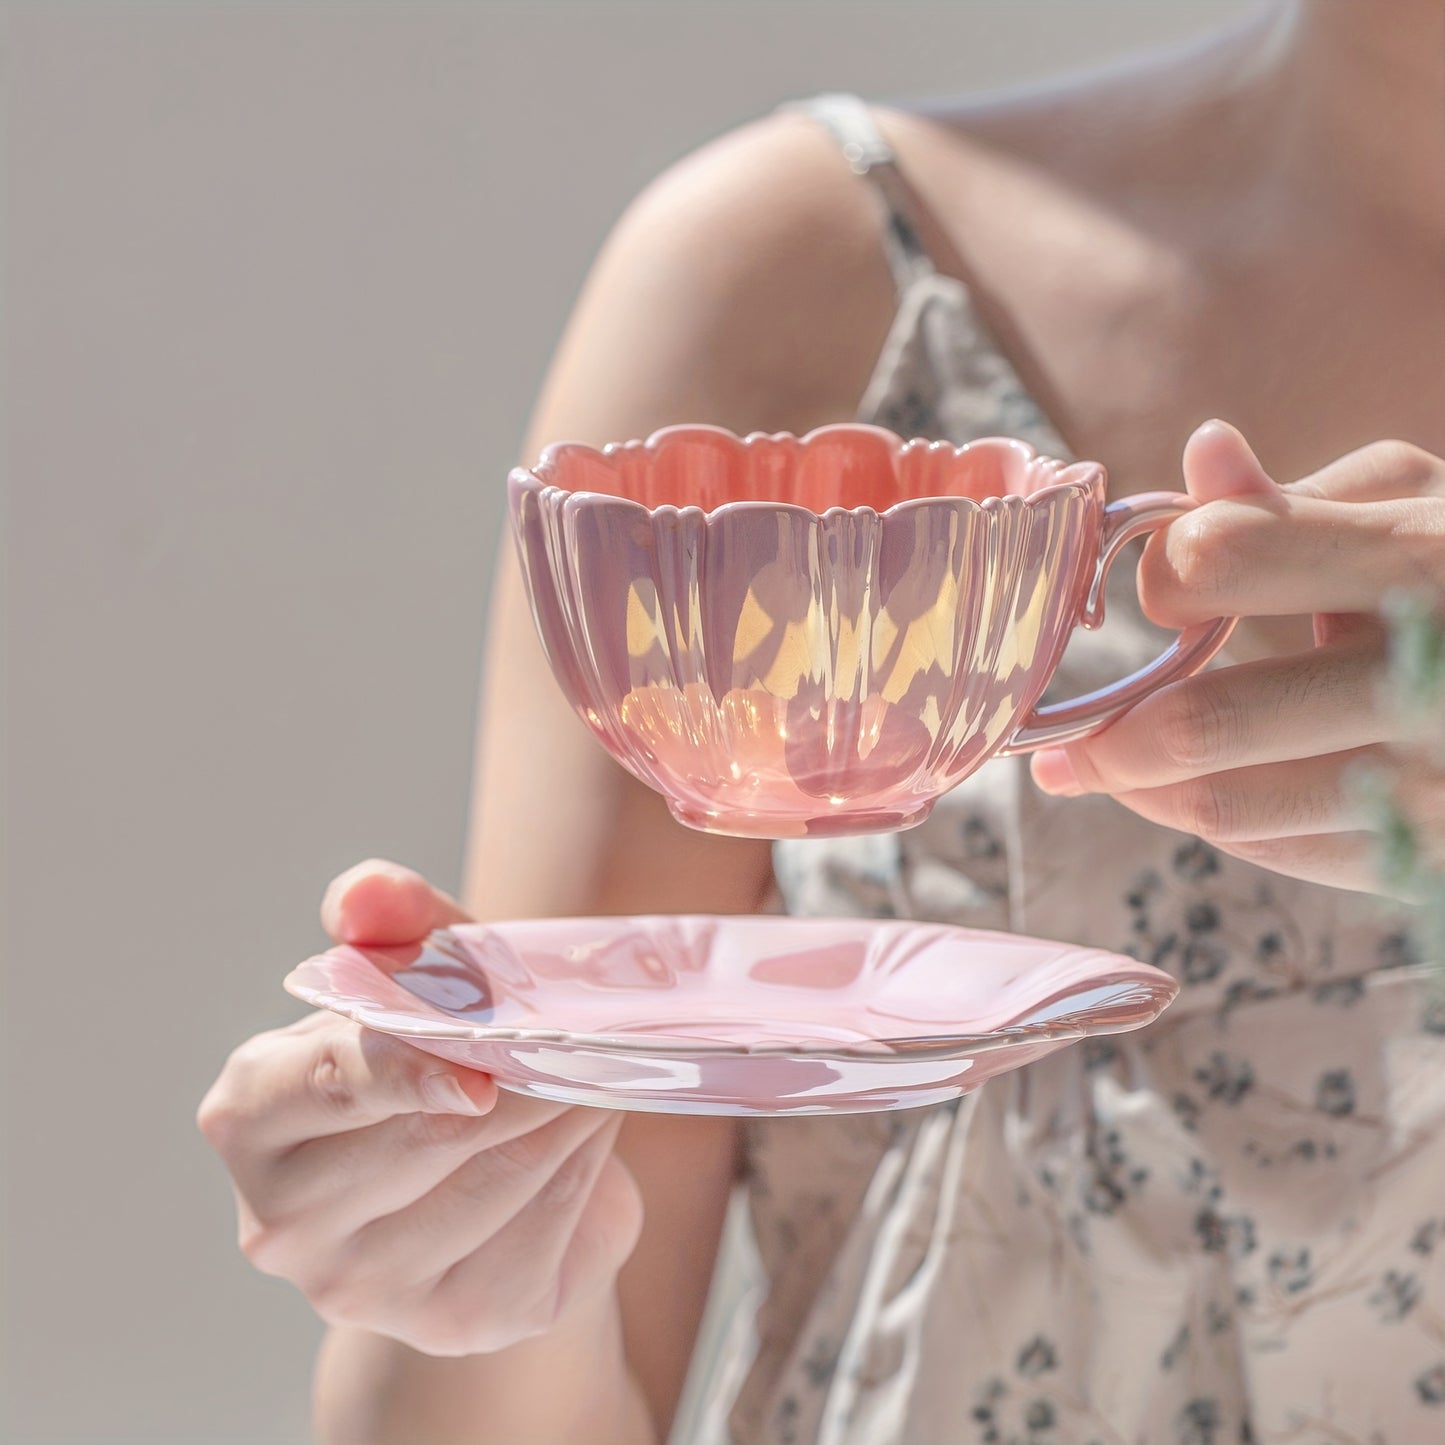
(822, 634)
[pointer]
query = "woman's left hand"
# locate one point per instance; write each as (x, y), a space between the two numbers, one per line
(1259, 758)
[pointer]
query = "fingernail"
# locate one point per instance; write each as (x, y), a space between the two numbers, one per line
(446, 1092)
(1053, 771)
(379, 903)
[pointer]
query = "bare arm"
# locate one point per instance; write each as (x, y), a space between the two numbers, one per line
(744, 289)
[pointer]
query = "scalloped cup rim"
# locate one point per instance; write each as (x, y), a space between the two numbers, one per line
(308, 981)
(1093, 479)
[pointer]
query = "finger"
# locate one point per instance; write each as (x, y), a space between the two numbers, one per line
(341, 1182)
(478, 1199)
(300, 1083)
(1273, 710)
(1219, 463)
(1258, 557)
(526, 1260)
(1379, 472)
(1341, 860)
(605, 1235)
(382, 904)
(1278, 800)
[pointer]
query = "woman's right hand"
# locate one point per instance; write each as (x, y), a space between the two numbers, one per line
(404, 1194)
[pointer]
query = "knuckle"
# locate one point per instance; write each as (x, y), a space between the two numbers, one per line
(498, 1172)
(266, 1246)
(1203, 810)
(339, 1290)
(534, 1312)
(329, 1084)
(522, 1157)
(1416, 538)
(241, 1063)
(1403, 463)
(233, 1100)
(1267, 852)
(223, 1112)
(1195, 727)
(334, 1300)
(570, 1183)
(255, 1057)
(442, 1131)
(452, 1324)
(219, 1119)
(545, 1310)
(439, 1338)
(1204, 562)
(457, 1320)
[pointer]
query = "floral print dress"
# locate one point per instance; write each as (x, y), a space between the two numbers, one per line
(1228, 1227)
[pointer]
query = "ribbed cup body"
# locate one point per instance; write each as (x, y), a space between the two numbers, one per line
(813, 635)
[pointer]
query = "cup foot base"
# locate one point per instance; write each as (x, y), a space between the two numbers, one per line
(840, 824)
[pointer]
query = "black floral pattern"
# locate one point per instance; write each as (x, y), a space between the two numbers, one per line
(1399, 949)
(1427, 1236)
(789, 1409)
(1017, 1412)
(1342, 992)
(1037, 1358)
(1146, 885)
(1430, 1385)
(1225, 1078)
(1099, 1053)
(1243, 991)
(1301, 1150)
(1335, 1093)
(1186, 1109)
(1196, 861)
(980, 842)
(1198, 1423)
(1396, 1296)
(1432, 1016)
(1269, 946)
(1202, 916)
(821, 1361)
(1291, 1270)
(1174, 1351)
(1040, 1415)
(1113, 1175)
(911, 414)
(1179, 931)
(1202, 960)
(1218, 1233)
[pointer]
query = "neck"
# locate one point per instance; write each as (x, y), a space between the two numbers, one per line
(1359, 89)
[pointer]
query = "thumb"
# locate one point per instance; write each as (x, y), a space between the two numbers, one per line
(1218, 463)
(382, 904)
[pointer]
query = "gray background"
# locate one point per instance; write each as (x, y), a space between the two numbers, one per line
(280, 282)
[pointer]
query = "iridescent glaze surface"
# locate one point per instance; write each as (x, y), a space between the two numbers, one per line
(789, 636)
(729, 1015)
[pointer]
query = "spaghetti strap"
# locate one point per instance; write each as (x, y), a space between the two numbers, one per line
(849, 121)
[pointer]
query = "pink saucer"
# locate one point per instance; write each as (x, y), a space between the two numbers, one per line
(732, 1015)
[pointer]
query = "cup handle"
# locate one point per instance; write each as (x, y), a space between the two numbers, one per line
(1191, 650)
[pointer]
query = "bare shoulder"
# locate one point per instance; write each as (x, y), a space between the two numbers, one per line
(758, 266)
(747, 284)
